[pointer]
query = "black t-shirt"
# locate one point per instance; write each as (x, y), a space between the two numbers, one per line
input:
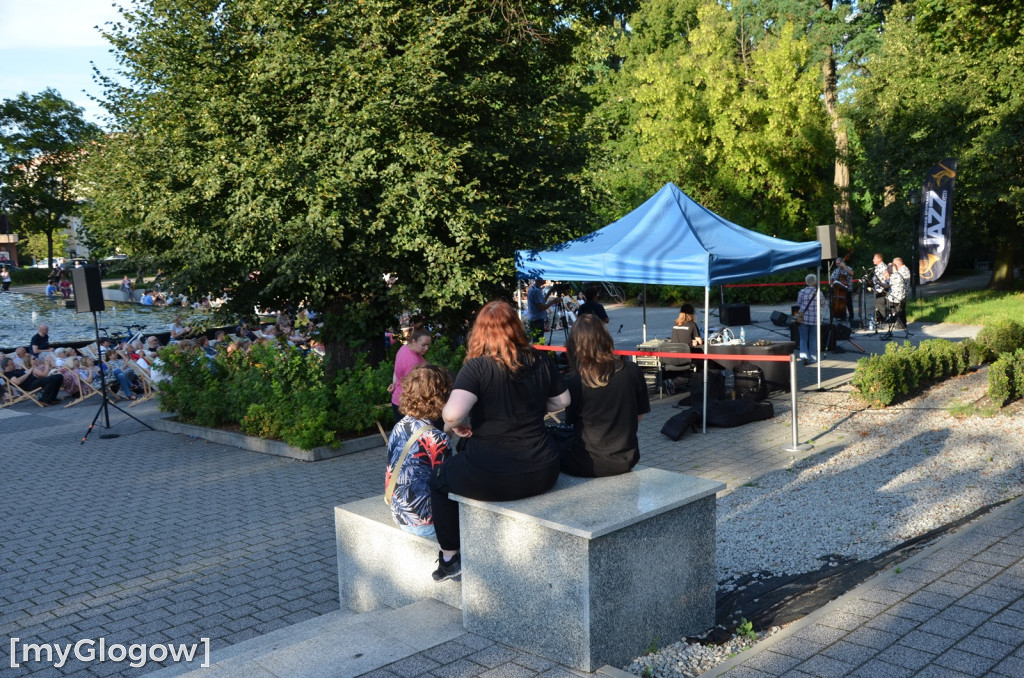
(39, 343)
(509, 435)
(605, 422)
(593, 307)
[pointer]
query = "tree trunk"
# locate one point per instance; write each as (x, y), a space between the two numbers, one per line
(1002, 270)
(339, 352)
(841, 178)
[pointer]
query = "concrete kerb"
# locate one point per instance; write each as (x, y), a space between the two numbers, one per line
(264, 446)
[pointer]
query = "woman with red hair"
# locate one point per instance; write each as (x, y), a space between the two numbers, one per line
(498, 403)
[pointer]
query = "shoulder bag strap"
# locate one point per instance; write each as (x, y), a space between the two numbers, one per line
(401, 460)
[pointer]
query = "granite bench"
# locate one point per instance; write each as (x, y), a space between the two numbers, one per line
(587, 574)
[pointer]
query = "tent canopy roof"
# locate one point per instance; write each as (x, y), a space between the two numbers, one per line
(669, 240)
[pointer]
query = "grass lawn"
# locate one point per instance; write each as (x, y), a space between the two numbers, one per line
(976, 307)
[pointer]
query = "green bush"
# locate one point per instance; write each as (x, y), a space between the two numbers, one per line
(1001, 380)
(904, 370)
(29, 276)
(1001, 336)
(279, 392)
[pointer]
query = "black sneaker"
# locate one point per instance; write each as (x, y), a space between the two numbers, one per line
(447, 570)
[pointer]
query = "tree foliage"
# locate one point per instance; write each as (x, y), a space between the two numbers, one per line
(42, 140)
(298, 152)
(736, 121)
(946, 83)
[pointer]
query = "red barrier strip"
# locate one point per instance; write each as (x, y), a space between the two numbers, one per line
(692, 356)
(774, 284)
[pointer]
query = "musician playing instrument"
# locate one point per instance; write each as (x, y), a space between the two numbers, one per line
(842, 291)
(880, 284)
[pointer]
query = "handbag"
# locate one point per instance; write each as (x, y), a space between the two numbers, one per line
(390, 489)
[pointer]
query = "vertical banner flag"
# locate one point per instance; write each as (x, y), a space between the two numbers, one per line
(935, 235)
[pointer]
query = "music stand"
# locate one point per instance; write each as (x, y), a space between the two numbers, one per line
(89, 299)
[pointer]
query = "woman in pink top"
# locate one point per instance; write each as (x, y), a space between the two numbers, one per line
(409, 356)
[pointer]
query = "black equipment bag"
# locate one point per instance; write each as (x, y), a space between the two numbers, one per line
(677, 424)
(749, 382)
(716, 385)
(729, 413)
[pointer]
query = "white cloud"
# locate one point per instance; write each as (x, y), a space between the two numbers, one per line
(53, 23)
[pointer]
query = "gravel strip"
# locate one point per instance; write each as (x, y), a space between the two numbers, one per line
(890, 475)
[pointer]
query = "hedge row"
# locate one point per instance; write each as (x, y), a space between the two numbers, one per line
(903, 370)
(279, 392)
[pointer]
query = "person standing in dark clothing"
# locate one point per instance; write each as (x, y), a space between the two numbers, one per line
(591, 305)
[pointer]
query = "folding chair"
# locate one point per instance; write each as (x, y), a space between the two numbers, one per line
(85, 391)
(18, 394)
(149, 387)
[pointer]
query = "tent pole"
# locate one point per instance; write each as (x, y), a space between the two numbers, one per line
(644, 293)
(707, 307)
(817, 300)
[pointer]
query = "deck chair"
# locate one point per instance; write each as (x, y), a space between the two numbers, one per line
(85, 391)
(19, 394)
(149, 387)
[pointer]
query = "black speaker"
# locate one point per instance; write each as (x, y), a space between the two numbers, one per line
(734, 314)
(779, 319)
(827, 238)
(88, 290)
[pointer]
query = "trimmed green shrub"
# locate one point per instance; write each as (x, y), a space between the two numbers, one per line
(1001, 336)
(1001, 380)
(904, 370)
(279, 392)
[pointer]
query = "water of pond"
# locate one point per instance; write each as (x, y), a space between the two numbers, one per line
(21, 314)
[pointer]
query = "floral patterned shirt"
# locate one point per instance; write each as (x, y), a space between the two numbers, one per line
(410, 503)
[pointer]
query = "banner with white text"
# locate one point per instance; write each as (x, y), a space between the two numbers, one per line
(935, 236)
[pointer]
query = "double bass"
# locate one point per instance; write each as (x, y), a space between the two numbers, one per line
(842, 287)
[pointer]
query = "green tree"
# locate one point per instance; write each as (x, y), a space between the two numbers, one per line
(737, 123)
(298, 152)
(945, 83)
(42, 140)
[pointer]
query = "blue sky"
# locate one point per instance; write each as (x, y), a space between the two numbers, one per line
(50, 43)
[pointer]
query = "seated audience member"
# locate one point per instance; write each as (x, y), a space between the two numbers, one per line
(70, 378)
(218, 339)
(591, 305)
(424, 392)
(608, 398)
(498, 403)
(65, 288)
(178, 330)
(32, 378)
(20, 354)
(124, 375)
(147, 298)
(51, 290)
(152, 346)
(204, 345)
(685, 327)
(40, 342)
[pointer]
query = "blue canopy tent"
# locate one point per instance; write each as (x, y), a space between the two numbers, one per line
(671, 240)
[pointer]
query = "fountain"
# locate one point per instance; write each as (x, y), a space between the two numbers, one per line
(21, 314)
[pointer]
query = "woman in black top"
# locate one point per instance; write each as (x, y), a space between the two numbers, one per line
(609, 398)
(498, 402)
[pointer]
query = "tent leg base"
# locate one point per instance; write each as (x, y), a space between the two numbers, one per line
(802, 447)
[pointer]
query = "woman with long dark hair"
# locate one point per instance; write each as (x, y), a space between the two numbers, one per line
(498, 403)
(609, 398)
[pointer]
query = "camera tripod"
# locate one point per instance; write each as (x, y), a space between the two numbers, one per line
(893, 318)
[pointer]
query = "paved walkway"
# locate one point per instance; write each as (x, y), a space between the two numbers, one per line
(156, 537)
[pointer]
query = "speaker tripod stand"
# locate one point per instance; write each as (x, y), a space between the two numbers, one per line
(102, 409)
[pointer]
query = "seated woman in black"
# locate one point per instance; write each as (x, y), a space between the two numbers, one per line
(685, 329)
(608, 398)
(499, 400)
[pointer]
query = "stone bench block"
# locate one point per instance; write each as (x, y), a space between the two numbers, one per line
(593, 571)
(379, 565)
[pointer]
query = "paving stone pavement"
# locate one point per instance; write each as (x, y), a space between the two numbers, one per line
(157, 537)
